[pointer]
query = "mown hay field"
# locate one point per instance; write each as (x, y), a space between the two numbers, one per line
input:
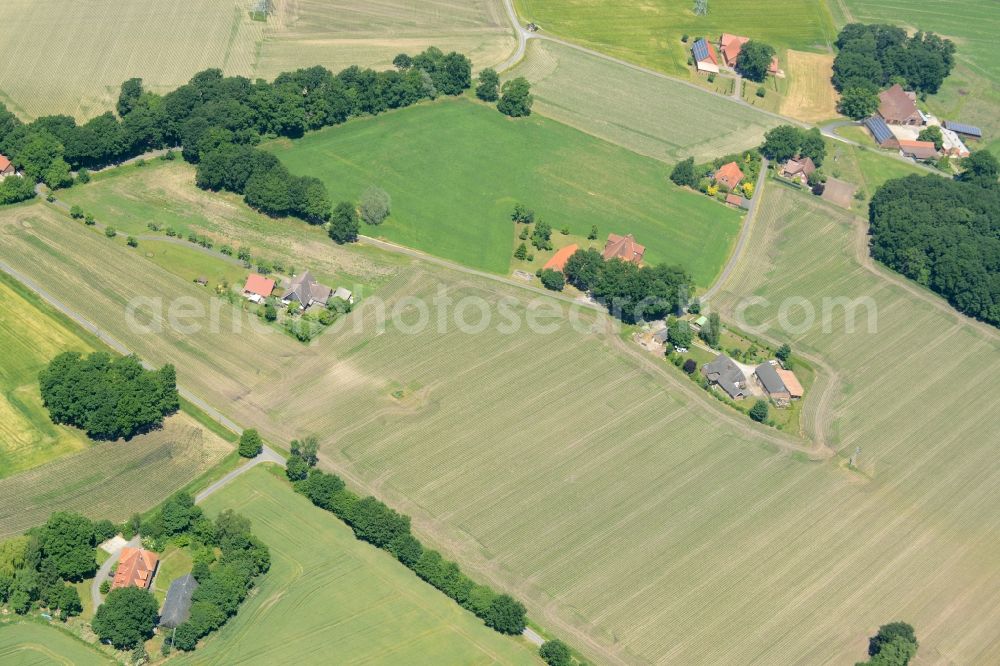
(651, 115)
(339, 33)
(649, 33)
(113, 479)
(31, 335)
(916, 538)
(636, 516)
(70, 58)
(810, 97)
(333, 599)
(455, 170)
(34, 644)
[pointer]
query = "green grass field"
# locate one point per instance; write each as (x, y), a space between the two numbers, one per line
(455, 169)
(649, 33)
(866, 167)
(34, 644)
(31, 335)
(329, 597)
(647, 114)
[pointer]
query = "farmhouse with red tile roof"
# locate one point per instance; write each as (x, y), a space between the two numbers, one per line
(623, 247)
(729, 174)
(136, 568)
(559, 259)
(258, 287)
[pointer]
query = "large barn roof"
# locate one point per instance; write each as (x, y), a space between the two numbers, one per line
(879, 129)
(177, 605)
(962, 128)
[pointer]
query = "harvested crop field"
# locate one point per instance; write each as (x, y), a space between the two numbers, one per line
(71, 57)
(662, 118)
(340, 33)
(112, 479)
(810, 97)
(331, 598)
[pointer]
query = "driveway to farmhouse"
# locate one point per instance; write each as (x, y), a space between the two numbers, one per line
(105, 570)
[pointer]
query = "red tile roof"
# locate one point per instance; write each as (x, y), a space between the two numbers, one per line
(258, 284)
(731, 46)
(135, 568)
(4, 163)
(729, 174)
(623, 247)
(734, 199)
(791, 382)
(919, 149)
(559, 259)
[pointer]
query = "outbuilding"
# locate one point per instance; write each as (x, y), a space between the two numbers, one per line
(705, 58)
(769, 380)
(177, 605)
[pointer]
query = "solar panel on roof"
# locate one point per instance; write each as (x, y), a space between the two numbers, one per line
(700, 50)
(879, 129)
(962, 128)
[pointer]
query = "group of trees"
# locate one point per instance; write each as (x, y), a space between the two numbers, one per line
(630, 292)
(754, 60)
(378, 524)
(513, 98)
(109, 398)
(787, 141)
(872, 57)
(945, 234)
(36, 568)
(895, 644)
(229, 115)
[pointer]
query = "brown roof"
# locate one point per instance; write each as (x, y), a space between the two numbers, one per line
(258, 284)
(921, 150)
(896, 105)
(623, 247)
(798, 166)
(734, 199)
(731, 46)
(135, 568)
(729, 174)
(559, 259)
(791, 382)
(4, 163)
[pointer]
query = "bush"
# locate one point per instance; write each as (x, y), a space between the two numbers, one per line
(684, 38)
(110, 232)
(759, 411)
(250, 443)
(760, 91)
(105, 587)
(76, 212)
(83, 176)
(506, 615)
(552, 280)
(690, 366)
(131, 241)
(375, 205)
(555, 653)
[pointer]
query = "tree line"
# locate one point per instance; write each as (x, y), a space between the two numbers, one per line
(630, 292)
(108, 398)
(229, 115)
(873, 57)
(383, 527)
(945, 234)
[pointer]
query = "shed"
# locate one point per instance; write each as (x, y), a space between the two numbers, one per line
(918, 150)
(770, 381)
(344, 294)
(881, 133)
(791, 382)
(962, 128)
(177, 605)
(6, 167)
(704, 56)
(734, 199)
(559, 259)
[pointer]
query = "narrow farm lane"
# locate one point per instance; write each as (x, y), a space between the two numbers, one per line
(267, 455)
(741, 241)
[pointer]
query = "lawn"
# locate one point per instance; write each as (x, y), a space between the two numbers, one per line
(329, 597)
(31, 334)
(866, 167)
(648, 114)
(455, 170)
(111, 480)
(649, 32)
(34, 644)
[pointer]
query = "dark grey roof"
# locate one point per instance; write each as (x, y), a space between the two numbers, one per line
(769, 378)
(962, 128)
(879, 129)
(304, 289)
(700, 50)
(724, 372)
(177, 605)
